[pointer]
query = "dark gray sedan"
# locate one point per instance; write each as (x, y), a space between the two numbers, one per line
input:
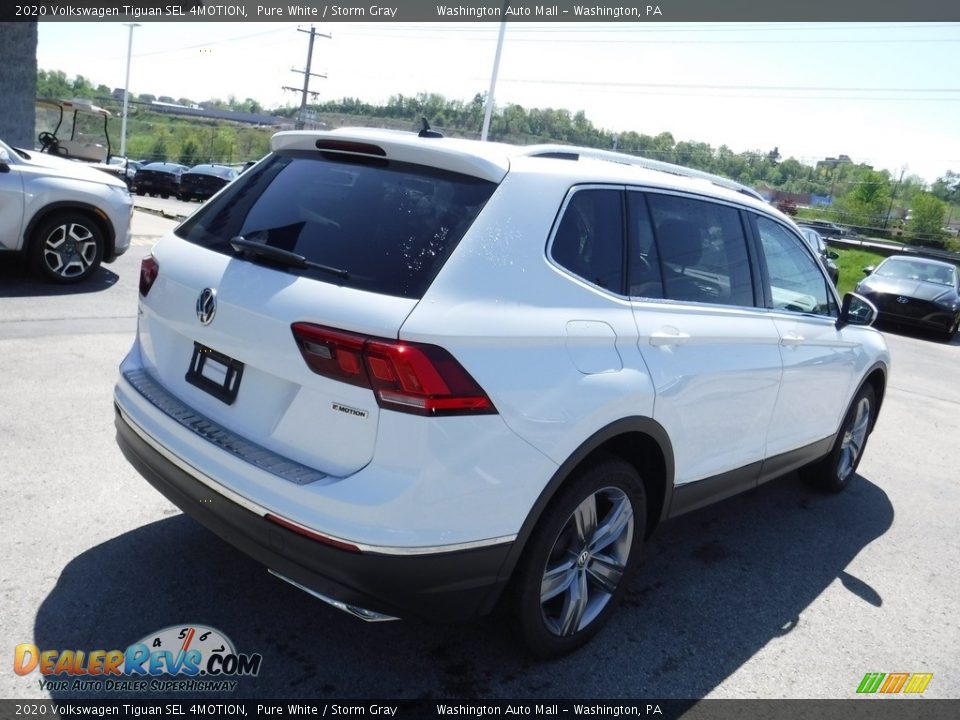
(915, 291)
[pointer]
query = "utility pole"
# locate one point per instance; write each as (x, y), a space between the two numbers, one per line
(306, 76)
(488, 113)
(126, 93)
(892, 196)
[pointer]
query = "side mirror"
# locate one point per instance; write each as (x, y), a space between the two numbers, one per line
(868, 270)
(833, 254)
(856, 310)
(4, 161)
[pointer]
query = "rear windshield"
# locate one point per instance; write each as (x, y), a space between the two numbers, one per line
(389, 226)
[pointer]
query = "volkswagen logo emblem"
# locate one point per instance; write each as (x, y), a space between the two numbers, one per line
(207, 306)
(902, 300)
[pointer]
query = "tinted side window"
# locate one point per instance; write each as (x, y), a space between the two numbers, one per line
(643, 260)
(796, 283)
(389, 225)
(703, 251)
(589, 238)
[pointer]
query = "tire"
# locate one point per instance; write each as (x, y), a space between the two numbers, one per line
(951, 331)
(67, 247)
(834, 472)
(603, 508)
(164, 195)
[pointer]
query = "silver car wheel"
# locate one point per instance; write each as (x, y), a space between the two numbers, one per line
(854, 438)
(587, 561)
(70, 249)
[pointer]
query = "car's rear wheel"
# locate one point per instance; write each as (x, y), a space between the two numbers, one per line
(580, 558)
(67, 247)
(834, 472)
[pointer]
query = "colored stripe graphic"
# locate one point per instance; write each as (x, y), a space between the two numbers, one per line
(894, 683)
(870, 682)
(918, 682)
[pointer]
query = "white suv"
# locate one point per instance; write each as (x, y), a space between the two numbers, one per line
(416, 375)
(65, 216)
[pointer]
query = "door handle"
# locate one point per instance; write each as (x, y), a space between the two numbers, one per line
(791, 340)
(668, 336)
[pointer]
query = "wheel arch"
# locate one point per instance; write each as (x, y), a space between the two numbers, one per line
(877, 377)
(640, 441)
(95, 214)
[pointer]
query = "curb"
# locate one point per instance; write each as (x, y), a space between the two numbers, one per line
(161, 213)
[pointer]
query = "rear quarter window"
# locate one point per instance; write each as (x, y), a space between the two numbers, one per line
(390, 226)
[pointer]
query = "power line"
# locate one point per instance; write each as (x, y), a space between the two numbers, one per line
(784, 88)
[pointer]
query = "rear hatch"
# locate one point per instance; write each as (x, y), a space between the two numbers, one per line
(156, 179)
(262, 308)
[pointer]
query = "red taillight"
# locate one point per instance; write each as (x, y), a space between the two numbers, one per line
(409, 377)
(149, 269)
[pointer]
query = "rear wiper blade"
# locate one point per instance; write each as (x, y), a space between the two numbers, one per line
(285, 257)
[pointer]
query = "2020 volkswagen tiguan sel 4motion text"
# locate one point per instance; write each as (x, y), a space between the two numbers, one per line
(416, 376)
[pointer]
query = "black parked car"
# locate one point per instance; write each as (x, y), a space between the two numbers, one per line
(915, 291)
(819, 246)
(827, 228)
(158, 178)
(203, 181)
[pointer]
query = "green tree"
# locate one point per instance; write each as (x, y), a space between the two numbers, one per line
(927, 213)
(947, 188)
(158, 151)
(190, 152)
(867, 200)
(53, 84)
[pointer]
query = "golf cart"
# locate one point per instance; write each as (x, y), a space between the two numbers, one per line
(81, 138)
(81, 133)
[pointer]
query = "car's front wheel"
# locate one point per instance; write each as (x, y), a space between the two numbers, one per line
(580, 558)
(952, 330)
(834, 472)
(67, 247)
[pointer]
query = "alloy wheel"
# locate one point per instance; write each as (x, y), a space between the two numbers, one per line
(587, 561)
(69, 250)
(854, 438)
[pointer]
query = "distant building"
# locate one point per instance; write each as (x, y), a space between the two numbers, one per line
(830, 163)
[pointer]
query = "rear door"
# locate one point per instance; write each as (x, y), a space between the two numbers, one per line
(712, 353)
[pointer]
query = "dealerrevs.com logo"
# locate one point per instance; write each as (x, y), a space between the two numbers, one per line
(199, 658)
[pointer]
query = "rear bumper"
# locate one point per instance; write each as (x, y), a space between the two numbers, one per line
(442, 586)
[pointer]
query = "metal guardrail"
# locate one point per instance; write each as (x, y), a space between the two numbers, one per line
(884, 247)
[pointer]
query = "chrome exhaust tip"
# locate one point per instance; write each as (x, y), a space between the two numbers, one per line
(358, 612)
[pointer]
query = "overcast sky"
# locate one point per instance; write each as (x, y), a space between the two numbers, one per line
(883, 93)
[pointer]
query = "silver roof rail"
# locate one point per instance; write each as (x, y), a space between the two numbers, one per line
(573, 152)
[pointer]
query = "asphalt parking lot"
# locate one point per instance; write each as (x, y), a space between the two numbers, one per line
(779, 593)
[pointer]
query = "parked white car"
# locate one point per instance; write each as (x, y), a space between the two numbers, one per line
(66, 216)
(415, 376)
